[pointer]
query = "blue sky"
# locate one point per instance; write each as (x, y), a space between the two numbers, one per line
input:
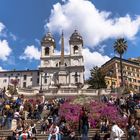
(100, 22)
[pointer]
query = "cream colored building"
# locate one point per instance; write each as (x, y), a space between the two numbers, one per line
(67, 70)
(26, 79)
(131, 73)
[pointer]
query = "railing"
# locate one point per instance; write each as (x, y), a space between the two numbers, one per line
(67, 91)
(88, 91)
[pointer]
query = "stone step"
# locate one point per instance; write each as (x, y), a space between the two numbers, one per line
(79, 138)
(5, 133)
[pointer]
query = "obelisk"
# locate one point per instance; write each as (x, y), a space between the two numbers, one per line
(62, 71)
(62, 50)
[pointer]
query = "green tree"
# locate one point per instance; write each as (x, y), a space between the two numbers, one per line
(120, 46)
(97, 78)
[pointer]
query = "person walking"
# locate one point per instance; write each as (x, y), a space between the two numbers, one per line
(85, 125)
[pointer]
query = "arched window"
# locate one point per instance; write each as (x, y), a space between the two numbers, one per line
(75, 49)
(47, 51)
(45, 77)
(66, 64)
(59, 63)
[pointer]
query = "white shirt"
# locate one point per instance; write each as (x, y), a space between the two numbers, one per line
(54, 130)
(116, 133)
(21, 107)
(16, 115)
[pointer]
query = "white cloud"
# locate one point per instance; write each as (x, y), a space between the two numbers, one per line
(93, 59)
(63, 0)
(14, 37)
(5, 33)
(37, 41)
(5, 50)
(102, 48)
(2, 30)
(31, 52)
(1, 27)
(95, 26)
(1, 69)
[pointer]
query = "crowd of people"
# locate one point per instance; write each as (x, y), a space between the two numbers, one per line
(129, 107)
(15, 115)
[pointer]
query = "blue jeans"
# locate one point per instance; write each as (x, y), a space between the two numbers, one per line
(50, 136)
(8, 122)
(85, 132)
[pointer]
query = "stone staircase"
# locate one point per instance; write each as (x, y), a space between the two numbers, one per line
(5, 133)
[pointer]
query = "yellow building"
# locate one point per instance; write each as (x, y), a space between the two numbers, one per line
(131, 73)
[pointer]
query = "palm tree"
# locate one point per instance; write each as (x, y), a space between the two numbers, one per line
(120, 46)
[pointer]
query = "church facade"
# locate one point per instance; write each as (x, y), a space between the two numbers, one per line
(55, 70)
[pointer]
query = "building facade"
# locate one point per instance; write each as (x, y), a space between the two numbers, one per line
(131, 73)
(54, 69)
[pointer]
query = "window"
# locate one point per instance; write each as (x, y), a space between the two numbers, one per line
(134, 80)
(47, 51)
(129, 73)
(38, 73)
(25, 77)
(75, 49)
(45, 80)
(76, 77)
(24, 84)
(135, 87)
(5, 74)
(130, 79)
(38, 80)
(31, 79)
(124, 72)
